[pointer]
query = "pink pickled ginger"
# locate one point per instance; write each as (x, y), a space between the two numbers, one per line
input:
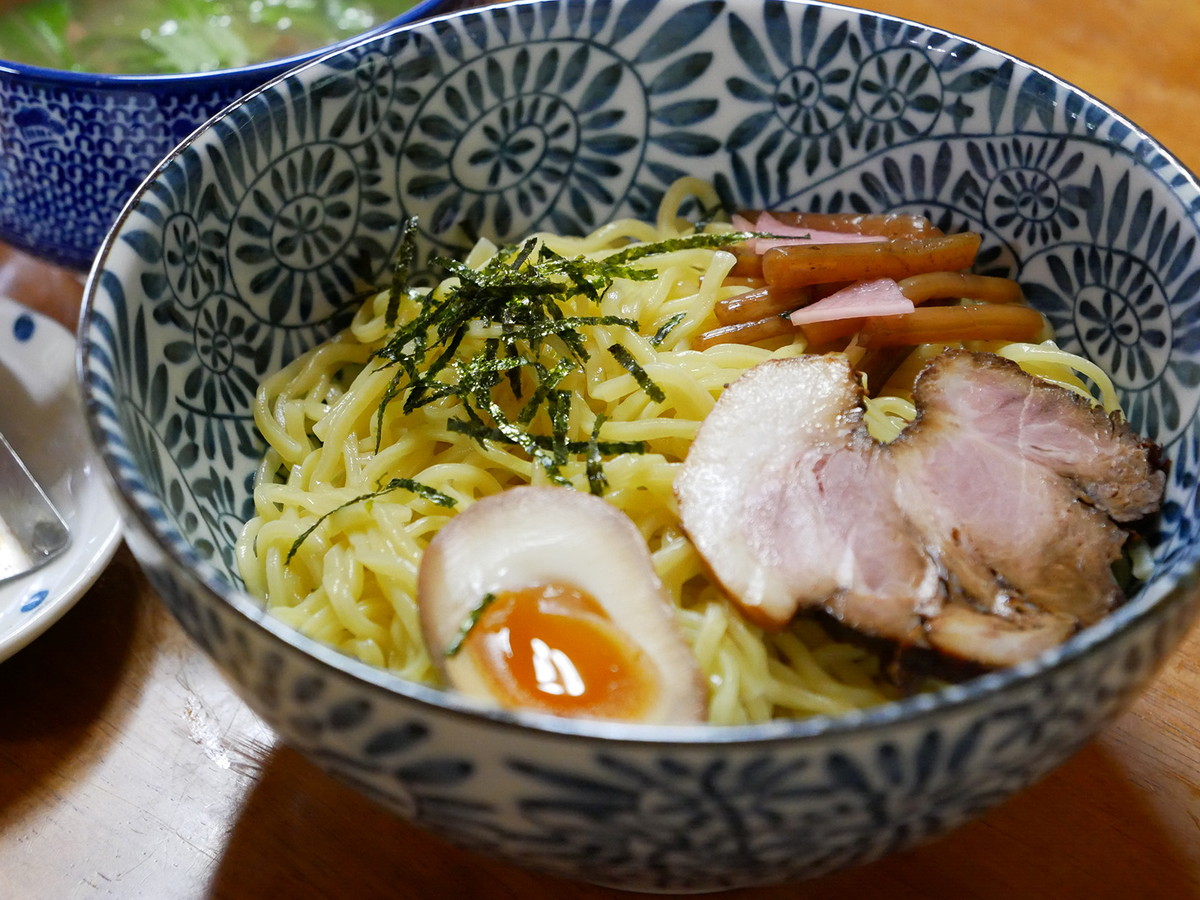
(878, 297)
(785, 235)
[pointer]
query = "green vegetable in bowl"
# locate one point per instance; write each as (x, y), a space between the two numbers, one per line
(140, 37)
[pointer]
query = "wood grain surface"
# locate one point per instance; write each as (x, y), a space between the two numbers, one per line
(129, 770)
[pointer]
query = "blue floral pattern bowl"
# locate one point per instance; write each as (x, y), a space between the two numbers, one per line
(247, 245)
(74, 147)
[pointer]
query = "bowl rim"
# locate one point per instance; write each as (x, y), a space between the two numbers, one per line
(265, 69)
(1140, 610)
(1175, 587)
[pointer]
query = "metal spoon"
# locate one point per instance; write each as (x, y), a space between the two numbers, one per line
(31, 530)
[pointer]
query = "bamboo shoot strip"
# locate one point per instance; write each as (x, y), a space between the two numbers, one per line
(745, 332)
(806, 264)
(759, 303)
(943, 324)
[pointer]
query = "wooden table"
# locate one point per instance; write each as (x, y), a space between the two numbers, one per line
(129, 770)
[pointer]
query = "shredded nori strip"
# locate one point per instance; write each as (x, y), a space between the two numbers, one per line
(521, 289)
(547, 381)
(713, 241)
(597, 482)
(396, 484)
(468, 625)
(666, 328)
(625, 358)
(406, 257)
(519, 294)
(480, 431)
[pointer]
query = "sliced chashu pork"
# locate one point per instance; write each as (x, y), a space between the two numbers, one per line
(789, 501)
(1002, 473)
(983, 531)
(1101, 457)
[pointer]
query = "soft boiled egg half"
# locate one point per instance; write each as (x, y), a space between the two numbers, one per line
(546, 599)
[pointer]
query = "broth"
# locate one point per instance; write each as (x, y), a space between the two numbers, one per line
(142, 37)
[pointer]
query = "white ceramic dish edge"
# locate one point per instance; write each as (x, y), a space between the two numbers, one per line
(42, 418)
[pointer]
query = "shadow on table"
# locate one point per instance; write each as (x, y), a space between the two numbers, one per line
(303, 835)
(55, 689)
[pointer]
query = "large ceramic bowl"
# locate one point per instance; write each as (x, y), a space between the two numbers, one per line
(243, 248)
(74, 146)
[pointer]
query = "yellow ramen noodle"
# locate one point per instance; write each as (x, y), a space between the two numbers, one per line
(352, 581)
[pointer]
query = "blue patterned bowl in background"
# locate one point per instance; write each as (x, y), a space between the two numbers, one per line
(74, 146)
(245, 246)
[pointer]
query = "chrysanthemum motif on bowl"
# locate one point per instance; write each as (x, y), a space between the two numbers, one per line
(259, 236)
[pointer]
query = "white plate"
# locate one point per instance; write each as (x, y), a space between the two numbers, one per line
(42, 416)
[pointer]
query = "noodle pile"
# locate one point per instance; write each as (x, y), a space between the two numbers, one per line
(336, 555)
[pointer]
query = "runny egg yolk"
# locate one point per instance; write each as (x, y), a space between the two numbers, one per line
(554, 648)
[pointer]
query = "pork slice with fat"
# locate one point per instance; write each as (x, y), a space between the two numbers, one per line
(1000, 472)
(986, 530)
(1004, 528)
(1104, 461)
(790, 503)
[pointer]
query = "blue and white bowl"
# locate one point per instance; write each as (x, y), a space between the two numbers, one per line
(74, 147)
(243, 250)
